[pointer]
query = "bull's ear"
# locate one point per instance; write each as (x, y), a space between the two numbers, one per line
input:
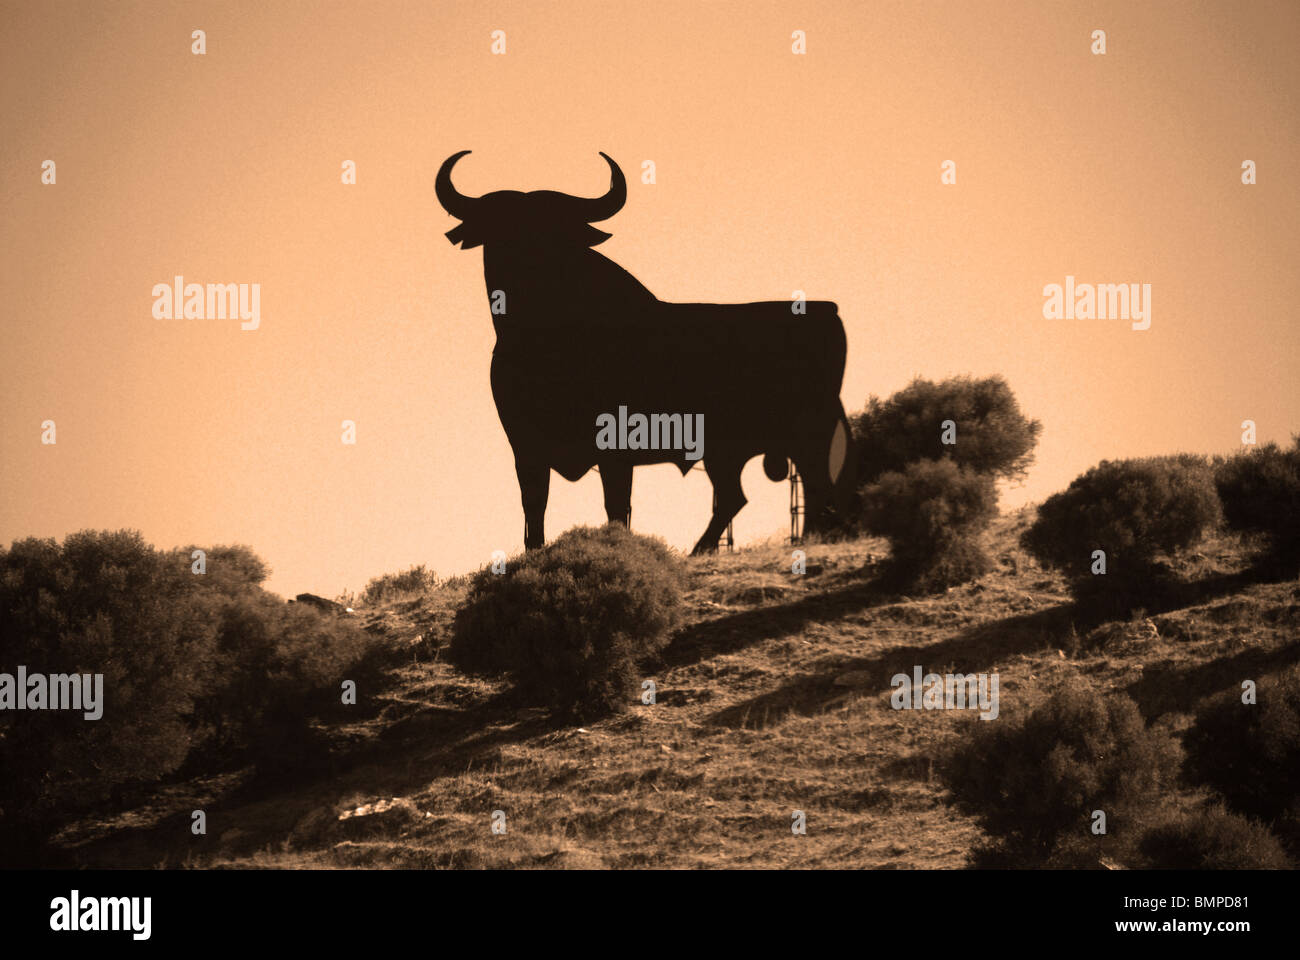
(591, 236)
(466, 236)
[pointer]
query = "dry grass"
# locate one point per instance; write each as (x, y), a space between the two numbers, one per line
(773, 698)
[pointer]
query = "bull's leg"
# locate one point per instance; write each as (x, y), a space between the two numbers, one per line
(817, 488)
(616, 479)
(728, 498)
(816, 494)
(534, 487)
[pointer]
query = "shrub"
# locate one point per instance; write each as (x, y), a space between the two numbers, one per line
(275, 668)
(993, 437)
(569, 622)
(395, 585)
(1212, 839)
(1250, 753)
(198, 669)
(932, 512)
(1133, 510)
(101, 603)
(282, 667)
(1036, 781)
(1260, 492)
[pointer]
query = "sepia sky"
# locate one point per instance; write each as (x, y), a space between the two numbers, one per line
(775, 172)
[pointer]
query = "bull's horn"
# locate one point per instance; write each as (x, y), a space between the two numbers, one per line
(454, 202)
(602, 208)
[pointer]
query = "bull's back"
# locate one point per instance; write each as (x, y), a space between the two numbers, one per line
(750, 349)
(754, 370)
(768, 329)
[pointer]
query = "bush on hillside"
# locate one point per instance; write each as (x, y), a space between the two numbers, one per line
(198, 668)
(1250, 753)
(1212, 839)
(281, 667)
(277, 667)
(1260, 491)
(1136, 512)
(1035, 781)
(100, 603)
(992, 436)
(933, 513)
(571, 622)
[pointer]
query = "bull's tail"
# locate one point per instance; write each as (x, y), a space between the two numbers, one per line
(829, 470)
(839, 458)
(843, 464)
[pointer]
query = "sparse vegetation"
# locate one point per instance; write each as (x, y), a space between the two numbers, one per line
(772, 696)
(571, 621)
(390, 586)
(1136, 512)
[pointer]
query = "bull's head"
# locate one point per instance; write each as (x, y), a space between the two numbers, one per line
(540, 216)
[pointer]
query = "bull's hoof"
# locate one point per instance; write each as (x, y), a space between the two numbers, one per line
(704, 549)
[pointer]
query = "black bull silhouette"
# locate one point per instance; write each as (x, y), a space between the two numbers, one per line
(579, 337)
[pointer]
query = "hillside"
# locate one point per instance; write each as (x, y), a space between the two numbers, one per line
(774, 697)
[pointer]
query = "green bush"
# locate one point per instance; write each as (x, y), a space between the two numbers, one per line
(1250, 753)
(992, 435)
(1260, 491)
(933, 513)
(1212, 839)
(1035, 781)
(1136, 511)
(570, 622)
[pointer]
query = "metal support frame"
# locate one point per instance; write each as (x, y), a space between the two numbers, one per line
(797, 508)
